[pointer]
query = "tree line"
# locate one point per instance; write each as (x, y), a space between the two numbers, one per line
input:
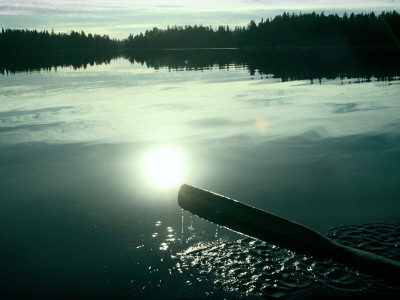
(21, 40)
(286, 31)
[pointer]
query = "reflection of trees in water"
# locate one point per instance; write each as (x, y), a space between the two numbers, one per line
(30, 50)
(310, 46)
(287, 64)
(187, 59)
(38, 61)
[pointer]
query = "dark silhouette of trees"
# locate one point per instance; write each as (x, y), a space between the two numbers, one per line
(20, 40)
(183, 37)
(25, 62)
(284, 31)
(285, 64)
(287, 46)
(30, 50)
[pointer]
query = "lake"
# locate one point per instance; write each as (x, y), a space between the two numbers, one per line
(93, 152)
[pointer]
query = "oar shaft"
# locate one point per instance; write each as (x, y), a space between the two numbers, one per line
(281, 232)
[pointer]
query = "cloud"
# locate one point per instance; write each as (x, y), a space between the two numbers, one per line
(9, 7)
(57, 6)
(14, 7)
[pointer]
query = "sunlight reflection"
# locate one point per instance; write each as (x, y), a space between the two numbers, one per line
(262, 125)
(163, 166)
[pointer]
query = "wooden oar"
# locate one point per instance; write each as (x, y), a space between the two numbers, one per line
(282, 232)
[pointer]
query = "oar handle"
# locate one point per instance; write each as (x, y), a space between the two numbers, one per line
(281, 232)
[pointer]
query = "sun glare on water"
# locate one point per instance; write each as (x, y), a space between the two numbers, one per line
(163, 166)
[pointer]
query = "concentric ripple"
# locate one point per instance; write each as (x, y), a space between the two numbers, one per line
(253, 267)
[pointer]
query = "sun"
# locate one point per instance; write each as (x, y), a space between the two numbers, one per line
(163, 166)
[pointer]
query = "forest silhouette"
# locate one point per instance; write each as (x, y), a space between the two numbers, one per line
(293, 31)
(289, 46)
(31, 50)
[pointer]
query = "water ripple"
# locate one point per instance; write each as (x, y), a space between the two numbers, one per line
(253, 267)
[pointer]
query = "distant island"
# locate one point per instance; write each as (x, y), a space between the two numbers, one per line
(311, 30)
(304, 46)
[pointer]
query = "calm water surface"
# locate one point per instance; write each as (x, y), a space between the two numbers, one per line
(84, 211)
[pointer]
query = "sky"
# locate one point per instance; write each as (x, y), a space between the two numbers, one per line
(68, 6)
(119, 18)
